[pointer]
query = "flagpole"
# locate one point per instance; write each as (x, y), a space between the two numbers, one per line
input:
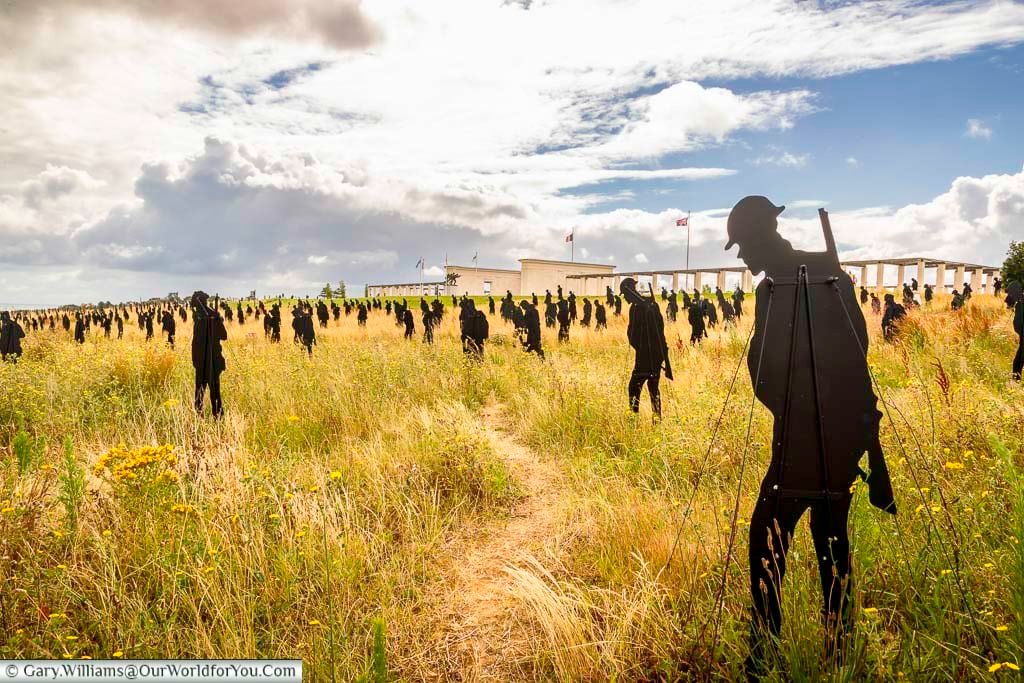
(572, 246)
(688, 242)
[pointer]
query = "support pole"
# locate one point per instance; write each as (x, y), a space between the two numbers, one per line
(940, 277)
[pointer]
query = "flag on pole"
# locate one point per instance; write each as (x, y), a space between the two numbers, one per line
(420, 264)
(475, 255)
(568, 238)
(683, 222)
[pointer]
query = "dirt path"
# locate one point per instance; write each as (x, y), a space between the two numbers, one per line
(482, 639)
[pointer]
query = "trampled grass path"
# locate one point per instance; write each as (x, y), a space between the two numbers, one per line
(482, 639)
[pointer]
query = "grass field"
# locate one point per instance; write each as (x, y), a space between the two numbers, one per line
(388, 510)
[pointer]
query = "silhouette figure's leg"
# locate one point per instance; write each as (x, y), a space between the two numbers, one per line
(1018, 360)
(655, 391)
(832, 548)
(771, 529)
(636, 385)
(200, 390)
(215, 403)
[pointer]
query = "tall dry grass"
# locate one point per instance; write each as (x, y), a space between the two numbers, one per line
(315, 520)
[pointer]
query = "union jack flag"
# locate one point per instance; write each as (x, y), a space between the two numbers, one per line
(683, 222)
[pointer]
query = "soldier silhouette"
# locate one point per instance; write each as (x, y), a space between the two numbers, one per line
(646, 333)
(79, 329)
(695, 314)
(11, 335)
(208, 332)
(894, 313)
(531, 329)
(808, 367)
(1013, 293)
(168, 326)
(410, 325)
(302, 325)
(564, 320)
(588, 310)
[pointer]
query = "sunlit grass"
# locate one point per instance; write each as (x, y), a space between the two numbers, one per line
(338, 489)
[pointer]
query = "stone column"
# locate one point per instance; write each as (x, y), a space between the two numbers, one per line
(986, 282)
(901, 276)
(976, 281)
(721, 280)
(958, 279)
(940, 277)
(747, 281)
(880, 276)
(920, 273)
(697, 280)
(863, 276)
(675, 282)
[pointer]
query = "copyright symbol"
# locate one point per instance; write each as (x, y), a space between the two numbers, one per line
(11, 670)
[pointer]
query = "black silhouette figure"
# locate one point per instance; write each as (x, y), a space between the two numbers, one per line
(588, 310)
(1013, 293)
(807, 363)
(11, 334)
(737, 301)
(208, 332)
(894, 313)
(475, 330)
(695, 314)
(428, 325)
(564, 320)
(929, 293)
(531, 329)
(646, 333)
(600, 316)
(410, 325)
(79, 329)
(168, 326)
(302, 325)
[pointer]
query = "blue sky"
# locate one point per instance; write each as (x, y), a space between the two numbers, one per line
(154, 147)
(905, 126)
